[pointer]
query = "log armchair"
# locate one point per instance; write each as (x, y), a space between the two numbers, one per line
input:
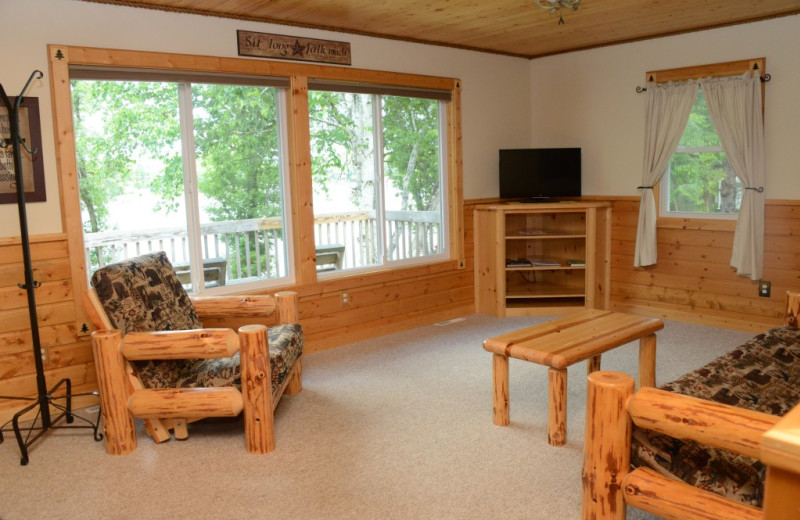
(155, 361)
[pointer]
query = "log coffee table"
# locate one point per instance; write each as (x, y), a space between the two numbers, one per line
(564, 342)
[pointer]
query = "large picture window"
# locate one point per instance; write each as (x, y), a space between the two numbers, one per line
(377, 175)
(191, 168)
(256, 175)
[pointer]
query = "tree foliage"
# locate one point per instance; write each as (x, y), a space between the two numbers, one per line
(237, 149)
(343, 149)
(701, 180)
(128, 135)
(411, 150)
(116, 123)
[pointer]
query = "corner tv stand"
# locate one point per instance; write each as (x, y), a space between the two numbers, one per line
(543, 258)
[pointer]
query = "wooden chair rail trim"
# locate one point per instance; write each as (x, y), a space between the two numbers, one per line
(180, 344)
(675, 500)
(714, 424)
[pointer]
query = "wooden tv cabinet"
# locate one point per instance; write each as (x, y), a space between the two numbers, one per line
(568, 244)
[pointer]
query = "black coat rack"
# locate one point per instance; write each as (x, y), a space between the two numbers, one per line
(43, 421)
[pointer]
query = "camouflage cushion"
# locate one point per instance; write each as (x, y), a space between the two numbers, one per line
(144, 294)
(285, 346)
(763, 375)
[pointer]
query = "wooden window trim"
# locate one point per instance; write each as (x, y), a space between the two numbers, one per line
(61, 57)
(728, 68)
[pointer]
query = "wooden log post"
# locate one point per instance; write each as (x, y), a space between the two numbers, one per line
(120, 435)
(675, 500)
(647, 361)
(714, 424)
(607, 446)
(295, 384)
(259, 426)
(780, 451)
(593, 364)
(286, 302)
(556, 406)
(179, 403)
(500, 398)
(792, 309)
(226, 307)
(180, 344)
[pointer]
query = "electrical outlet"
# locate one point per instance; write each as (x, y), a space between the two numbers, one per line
(345, 299)
(764, 288)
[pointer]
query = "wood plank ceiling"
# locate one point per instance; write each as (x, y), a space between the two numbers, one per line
(512, 27)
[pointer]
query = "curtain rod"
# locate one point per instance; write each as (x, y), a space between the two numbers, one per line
(765, 78)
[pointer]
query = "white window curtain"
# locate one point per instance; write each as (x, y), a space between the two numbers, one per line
(734, 104)
(668, 109)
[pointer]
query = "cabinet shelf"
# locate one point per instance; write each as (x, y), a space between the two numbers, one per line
(545, 291)
(570, 241)
(545, 236)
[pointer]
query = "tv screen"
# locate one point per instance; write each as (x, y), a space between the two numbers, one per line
(540, 173)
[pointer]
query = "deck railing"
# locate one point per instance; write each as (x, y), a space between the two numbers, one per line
(255, 248)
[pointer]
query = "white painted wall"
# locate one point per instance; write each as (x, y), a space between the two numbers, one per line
(584, 99)
(588, 99)
(495, 89)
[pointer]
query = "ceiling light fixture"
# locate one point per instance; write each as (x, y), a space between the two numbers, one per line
(555, 6)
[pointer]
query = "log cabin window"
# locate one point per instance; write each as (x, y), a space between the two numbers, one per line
(377, 174)
(190, 165)
(699, 182)
(305, 253)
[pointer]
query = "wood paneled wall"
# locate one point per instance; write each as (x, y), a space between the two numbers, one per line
(693, 280)
(378, 304)
(386, 302)
(65, 354)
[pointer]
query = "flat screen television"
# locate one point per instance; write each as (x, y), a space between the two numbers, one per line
(540, 173)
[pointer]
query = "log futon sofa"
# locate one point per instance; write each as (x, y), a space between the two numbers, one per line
(721, 442)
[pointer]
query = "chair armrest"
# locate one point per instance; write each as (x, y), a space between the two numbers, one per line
(233, 306)
(180, 344)
(250, 306)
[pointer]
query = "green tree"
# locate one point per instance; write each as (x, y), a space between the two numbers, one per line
(411, 150)
(237, 149)
(128, 134)
(115, 122)
(701, 180)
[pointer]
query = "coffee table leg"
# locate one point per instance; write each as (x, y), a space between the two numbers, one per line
(593, 364)
(500, 414)
(647, 361)
(557, 407)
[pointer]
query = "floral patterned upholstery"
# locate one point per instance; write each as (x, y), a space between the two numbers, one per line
(144, 294)
(763, 375)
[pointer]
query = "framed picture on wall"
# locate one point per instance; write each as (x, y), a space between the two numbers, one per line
(32, 164)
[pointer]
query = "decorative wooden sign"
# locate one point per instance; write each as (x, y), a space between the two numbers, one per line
(32, 164)
(263, 45)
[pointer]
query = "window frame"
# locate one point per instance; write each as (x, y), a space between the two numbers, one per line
(184, 84)
(730, 68)
(378, 95)
(299, 215)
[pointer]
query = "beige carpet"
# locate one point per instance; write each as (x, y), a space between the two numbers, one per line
(397, 427)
